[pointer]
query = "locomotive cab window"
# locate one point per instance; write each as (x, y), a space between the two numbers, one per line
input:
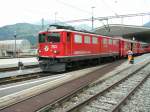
(42, 38)
(53, 37)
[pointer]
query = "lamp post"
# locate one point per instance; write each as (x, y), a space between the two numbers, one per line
(15, 35)
(55, 16)
(92, 17)
(42, 23)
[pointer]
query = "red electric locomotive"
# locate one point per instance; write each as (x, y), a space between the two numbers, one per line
(60, 48)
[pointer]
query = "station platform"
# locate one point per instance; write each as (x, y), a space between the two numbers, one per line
(11, 63)
(19, 72)
(142, 58)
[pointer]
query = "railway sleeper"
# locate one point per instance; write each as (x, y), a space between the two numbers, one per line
(113, 102)
(103, 107)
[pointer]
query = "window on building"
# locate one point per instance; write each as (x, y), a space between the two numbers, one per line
(78, 38)
(94, 40)
(87, 39)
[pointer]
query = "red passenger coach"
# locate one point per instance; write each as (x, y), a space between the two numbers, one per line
(145, 48)
(125, 45)
(59, 48)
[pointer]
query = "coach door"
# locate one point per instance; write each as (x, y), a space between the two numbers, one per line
(121, 47)
(68, 43)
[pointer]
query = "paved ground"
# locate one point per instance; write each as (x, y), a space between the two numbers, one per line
(18, 87)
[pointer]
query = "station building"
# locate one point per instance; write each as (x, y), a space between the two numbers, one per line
(126, 31)
(9, 47)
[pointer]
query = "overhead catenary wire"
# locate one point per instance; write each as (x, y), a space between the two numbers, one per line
(109, 7)
(72, 6)
(106, 17)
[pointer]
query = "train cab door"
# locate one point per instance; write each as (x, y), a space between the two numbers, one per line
(68, 43)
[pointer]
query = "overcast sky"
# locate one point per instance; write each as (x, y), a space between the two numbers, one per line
(16, 11)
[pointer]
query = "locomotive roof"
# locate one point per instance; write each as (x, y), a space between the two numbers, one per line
(77, 31)
(121, 38)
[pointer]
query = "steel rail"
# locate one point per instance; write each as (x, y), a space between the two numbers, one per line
(79, 105)
(117, 107)
(15, 79)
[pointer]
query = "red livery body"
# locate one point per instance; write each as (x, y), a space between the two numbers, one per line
(61, 47)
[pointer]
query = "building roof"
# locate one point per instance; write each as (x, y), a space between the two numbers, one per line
(126, 31)
(13, 41)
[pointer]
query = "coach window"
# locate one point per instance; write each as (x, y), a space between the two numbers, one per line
(87, 39)
(110, 41)
(134, 45)
(128, 46)
(94, 40)
(104, 41)
(78, 38)
(116, 42)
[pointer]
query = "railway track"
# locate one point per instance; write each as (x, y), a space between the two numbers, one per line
(140, 101)
(21, 75)
(106, 96)
(20, 78)
(16, 68)
(51, 96)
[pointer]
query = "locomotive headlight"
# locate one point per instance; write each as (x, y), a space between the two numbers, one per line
(55, 52)
(46, 48)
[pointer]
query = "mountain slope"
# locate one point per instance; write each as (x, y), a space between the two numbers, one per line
(147, 24)
(23, 30)
(28, 31)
